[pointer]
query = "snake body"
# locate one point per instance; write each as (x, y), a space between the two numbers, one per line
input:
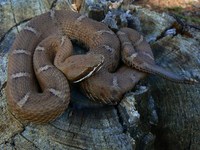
(42, 54)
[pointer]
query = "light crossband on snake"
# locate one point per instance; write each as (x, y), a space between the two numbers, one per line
(41, 64)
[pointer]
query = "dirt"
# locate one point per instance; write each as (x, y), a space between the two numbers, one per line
(185, 11)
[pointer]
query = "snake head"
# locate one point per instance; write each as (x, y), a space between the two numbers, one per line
(84, 66)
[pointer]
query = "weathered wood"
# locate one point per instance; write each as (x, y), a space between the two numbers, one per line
(178, 104)
(83, 126)
(128, 125)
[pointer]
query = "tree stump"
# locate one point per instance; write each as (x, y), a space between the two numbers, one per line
(138, 122)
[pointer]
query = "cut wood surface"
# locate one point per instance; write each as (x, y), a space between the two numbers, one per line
(158, 114)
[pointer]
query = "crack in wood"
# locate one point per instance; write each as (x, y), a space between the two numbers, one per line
(71, 146)
(29, 141)
(53, 4)
(54, 126)
(15, 26)
(12, 9)
(21, 22)
(120, 120)
(3, 86)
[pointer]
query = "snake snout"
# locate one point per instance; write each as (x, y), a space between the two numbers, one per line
(92, 65)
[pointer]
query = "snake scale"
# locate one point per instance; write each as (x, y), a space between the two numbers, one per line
(41, 64)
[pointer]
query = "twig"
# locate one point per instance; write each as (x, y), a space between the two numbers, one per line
(182, 23)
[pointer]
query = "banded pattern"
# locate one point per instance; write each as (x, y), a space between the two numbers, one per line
(23, 100)
(100, 32)
(20, 74)
(43, 51)
(57, 93)
(31, 29)
(21, 51)
(39, 48)
(44, 68)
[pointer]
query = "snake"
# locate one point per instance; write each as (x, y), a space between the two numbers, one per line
(42, 64)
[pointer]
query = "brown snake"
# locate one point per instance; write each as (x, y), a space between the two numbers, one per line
(41, 63)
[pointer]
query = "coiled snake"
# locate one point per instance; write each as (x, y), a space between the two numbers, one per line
(42, 54)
